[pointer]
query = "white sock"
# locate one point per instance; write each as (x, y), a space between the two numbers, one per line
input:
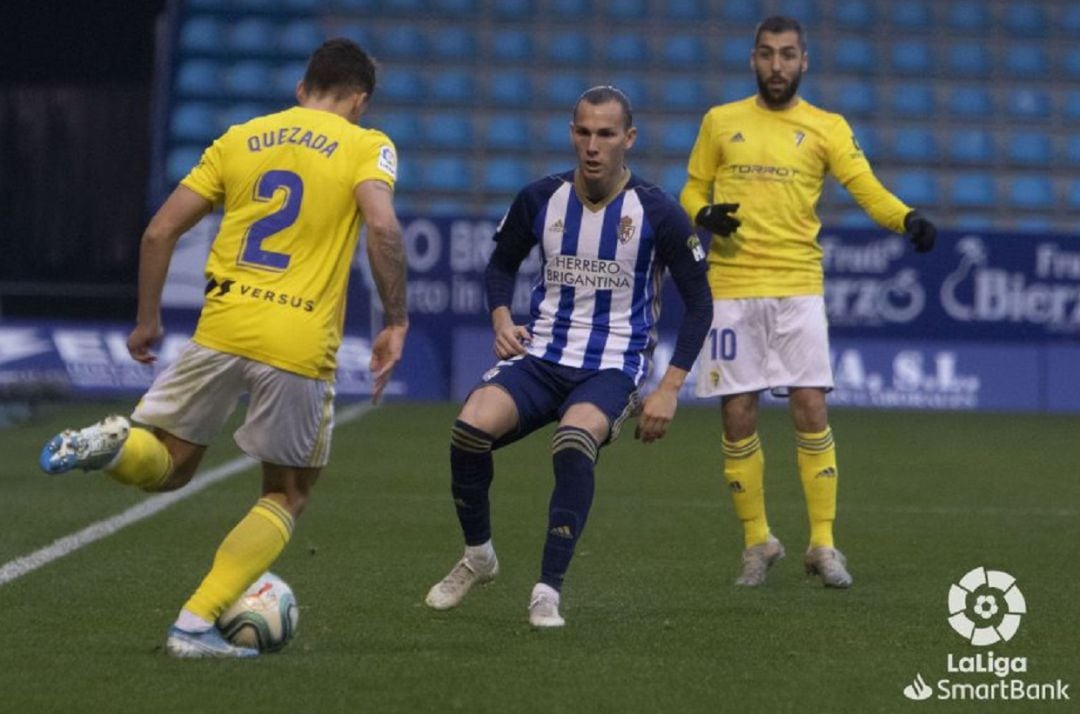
(480, 554)
(190, 622)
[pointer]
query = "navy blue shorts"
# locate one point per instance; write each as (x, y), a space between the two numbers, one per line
(543, 392)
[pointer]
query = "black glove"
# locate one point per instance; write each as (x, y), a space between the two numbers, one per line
(921, 232)
(715, 218)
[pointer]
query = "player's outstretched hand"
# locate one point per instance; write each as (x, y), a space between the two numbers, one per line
(656, 413)
(142, 339)
(510, 341)
(385, 354)
(716, 218)
(921, 232)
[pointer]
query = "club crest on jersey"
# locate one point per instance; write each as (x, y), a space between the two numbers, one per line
(738, 138)
(799, 136)
(695, 248)
(626, 229)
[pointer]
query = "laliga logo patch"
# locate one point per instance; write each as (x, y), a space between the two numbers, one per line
(985, 607)
(388, 161)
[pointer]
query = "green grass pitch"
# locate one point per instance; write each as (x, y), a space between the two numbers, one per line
(654, 623)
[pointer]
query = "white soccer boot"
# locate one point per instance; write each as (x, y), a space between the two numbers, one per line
(90, 448)
(451, 590)
(756, 561)
(830, 564)
(544, 607)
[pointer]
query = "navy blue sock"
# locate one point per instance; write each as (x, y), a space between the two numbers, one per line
(573, 454)
(471, 471)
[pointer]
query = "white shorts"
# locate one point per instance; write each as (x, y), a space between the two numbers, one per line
(289, 418)
(765, 343)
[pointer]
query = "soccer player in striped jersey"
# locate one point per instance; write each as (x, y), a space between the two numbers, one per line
(296, 186)
(605, 238)
(755, 175)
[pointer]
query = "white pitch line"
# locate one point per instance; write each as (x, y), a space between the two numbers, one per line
(144, 509)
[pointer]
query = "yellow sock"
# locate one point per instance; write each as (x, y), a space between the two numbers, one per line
(143, 461)
(817, 471)
(744, 469)
(244, 555)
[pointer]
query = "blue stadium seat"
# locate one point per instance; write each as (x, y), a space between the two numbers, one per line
(360, 34)
(1032, 224)
(973, 190)
(742, 11)
(357, 6)
(805, 10)
(856, 98)
(286, 77)
(300, 37)
(458, 8)
(511, 45)
(447, 173)
(911, 57)
(737, 88)
(673, 178)
(968, 59)
(570, 9)
(250, 78)
(403, 128)
(971, 222)
(912, 100)
(302, 5)
(1026, 60)
(856, 55)
(402, 42)
(180, 161)
(855, 218)
(735, 53)
(452, 85)
(514, 9)
(869, 140)
(1031, 104)
(1069, 22)
(564, 89)
(555, 132)
(968, 15)
(918, 188)
(507, 131)
(202, 34)
(194, 121)
(454, 43)
(622, 49)
(971, 146)
(910, 15)
(915, 145)
(240, 113)
(684, 51)
(1071, 106)
(449, 131)
(571, 47)
(207, 4)
(402, 85)
(1025, 18)
(552, 165)
(838, 195)
(510, 87)
(1070, 63)
(854, 14)
(1072, 150)
(809, 91)
(1073, 194)
(627, 9)
(678, 135)
(253, 36)
(505, 175)
(634, 87)
(692, 10)
(684, 93)
(402, 7)
(1029, 147)
(972, 101)
(199, 78)
(1031, 192)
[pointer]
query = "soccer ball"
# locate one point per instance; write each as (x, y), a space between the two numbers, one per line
(265, 616)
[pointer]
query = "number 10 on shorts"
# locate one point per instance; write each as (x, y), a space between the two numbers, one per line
(721, 344)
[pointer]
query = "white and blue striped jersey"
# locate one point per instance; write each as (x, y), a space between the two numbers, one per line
(597, 298)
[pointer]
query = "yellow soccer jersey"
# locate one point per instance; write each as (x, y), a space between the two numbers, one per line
(773, 164)
(279, 266)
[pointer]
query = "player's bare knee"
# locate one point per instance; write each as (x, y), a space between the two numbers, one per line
(491, 410)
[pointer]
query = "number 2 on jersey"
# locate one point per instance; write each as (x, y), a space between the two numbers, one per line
(252, 253)
(721, 344)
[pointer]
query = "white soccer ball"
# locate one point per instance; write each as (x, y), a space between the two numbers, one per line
(265, 616)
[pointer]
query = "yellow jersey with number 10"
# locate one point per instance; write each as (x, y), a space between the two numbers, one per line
(279, 267)
(773, 164)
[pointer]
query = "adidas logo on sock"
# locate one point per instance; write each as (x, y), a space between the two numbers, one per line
(828, 472)
(562, 532)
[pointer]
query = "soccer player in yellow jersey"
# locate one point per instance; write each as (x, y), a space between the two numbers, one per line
(295, 186)
(755, 176)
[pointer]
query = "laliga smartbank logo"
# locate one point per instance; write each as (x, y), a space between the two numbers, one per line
(985, 608)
